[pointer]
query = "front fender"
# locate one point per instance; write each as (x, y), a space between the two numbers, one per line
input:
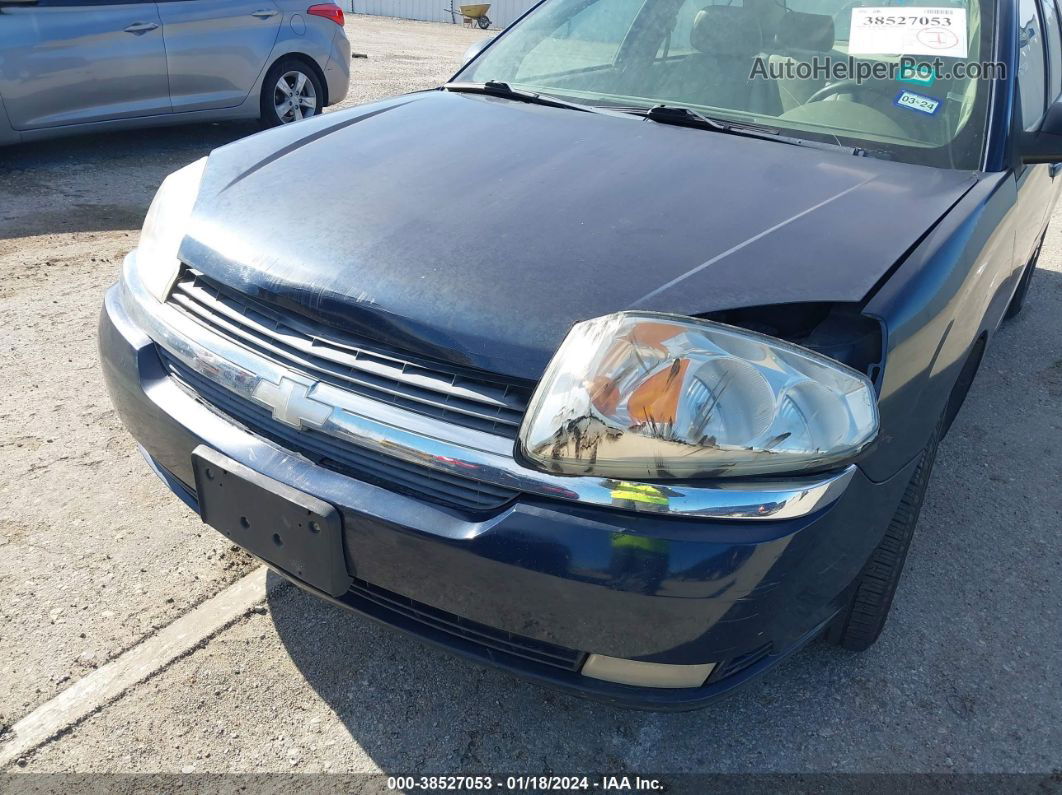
(952, 289)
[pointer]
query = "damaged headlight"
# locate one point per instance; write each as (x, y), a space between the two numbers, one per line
(649, 396)
(165, 227)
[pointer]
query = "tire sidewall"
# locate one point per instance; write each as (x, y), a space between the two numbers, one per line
(861, 623)
(269, 115)
(1021, 294)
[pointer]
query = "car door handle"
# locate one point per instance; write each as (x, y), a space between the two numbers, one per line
(1054, 169)
(141, 27)
(263, 14)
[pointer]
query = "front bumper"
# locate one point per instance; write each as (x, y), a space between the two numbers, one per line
(540, 574)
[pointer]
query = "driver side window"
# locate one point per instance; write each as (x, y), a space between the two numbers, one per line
(1053, 34)
(1032, 65)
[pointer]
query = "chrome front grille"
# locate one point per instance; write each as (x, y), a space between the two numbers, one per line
(342, 456)
(470, 399)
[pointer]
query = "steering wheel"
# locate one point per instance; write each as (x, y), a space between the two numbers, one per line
(851, 86)
(833, 89)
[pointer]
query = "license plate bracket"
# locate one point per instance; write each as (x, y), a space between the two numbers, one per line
(289, 529)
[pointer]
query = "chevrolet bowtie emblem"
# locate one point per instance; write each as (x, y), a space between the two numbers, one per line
(291, 403)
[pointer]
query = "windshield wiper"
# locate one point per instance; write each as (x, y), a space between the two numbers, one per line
(687, 117)
(496, 88)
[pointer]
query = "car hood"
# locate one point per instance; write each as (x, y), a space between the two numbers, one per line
(477, 230)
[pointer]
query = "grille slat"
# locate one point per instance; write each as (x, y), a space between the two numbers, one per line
(292, 344)
(480, 634)
(318, 368)
(344, 457)
(479, 401)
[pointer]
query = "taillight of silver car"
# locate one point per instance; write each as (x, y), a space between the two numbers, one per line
(328, 11)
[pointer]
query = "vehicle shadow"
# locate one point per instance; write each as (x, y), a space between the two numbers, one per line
(916, 701)
(413, 709)
(96, 183)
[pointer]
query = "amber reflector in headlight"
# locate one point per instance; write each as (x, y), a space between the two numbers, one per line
(650, 396)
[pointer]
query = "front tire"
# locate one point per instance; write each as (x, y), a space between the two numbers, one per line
(859, 626)
(291, 92)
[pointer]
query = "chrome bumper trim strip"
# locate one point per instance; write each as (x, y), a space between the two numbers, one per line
(436, 444)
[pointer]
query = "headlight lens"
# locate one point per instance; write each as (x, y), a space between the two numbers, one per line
(164, 228)
(651, 396)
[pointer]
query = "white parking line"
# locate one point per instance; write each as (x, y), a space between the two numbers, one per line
(134, 666)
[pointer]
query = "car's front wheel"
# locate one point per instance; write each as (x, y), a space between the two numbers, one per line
(862, 621)
(291, 92)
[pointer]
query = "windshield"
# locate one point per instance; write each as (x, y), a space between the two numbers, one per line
(908, 81)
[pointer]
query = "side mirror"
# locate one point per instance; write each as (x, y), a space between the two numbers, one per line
(1045, 145)
(476, 49)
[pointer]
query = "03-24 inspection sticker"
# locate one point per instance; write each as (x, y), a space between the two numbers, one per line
(900, 30)
(918, 102)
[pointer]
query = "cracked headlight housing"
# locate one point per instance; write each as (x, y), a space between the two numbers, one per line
(639, 395)
(165, 227)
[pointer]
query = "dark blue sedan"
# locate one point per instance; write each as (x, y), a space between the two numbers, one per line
(621, 360)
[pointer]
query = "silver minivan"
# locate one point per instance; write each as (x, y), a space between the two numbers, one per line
(91, 65)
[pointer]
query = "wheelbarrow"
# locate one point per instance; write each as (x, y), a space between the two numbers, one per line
(476, 15)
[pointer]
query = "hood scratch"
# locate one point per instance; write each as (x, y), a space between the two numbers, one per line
(749, 242)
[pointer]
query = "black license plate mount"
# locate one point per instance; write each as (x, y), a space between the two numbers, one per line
(293, 531)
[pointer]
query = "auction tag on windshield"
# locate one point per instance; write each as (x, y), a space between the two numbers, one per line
(919, 102)
(908, 31)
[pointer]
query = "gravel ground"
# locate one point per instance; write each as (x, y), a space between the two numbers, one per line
(94, 554)
(403, 55)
